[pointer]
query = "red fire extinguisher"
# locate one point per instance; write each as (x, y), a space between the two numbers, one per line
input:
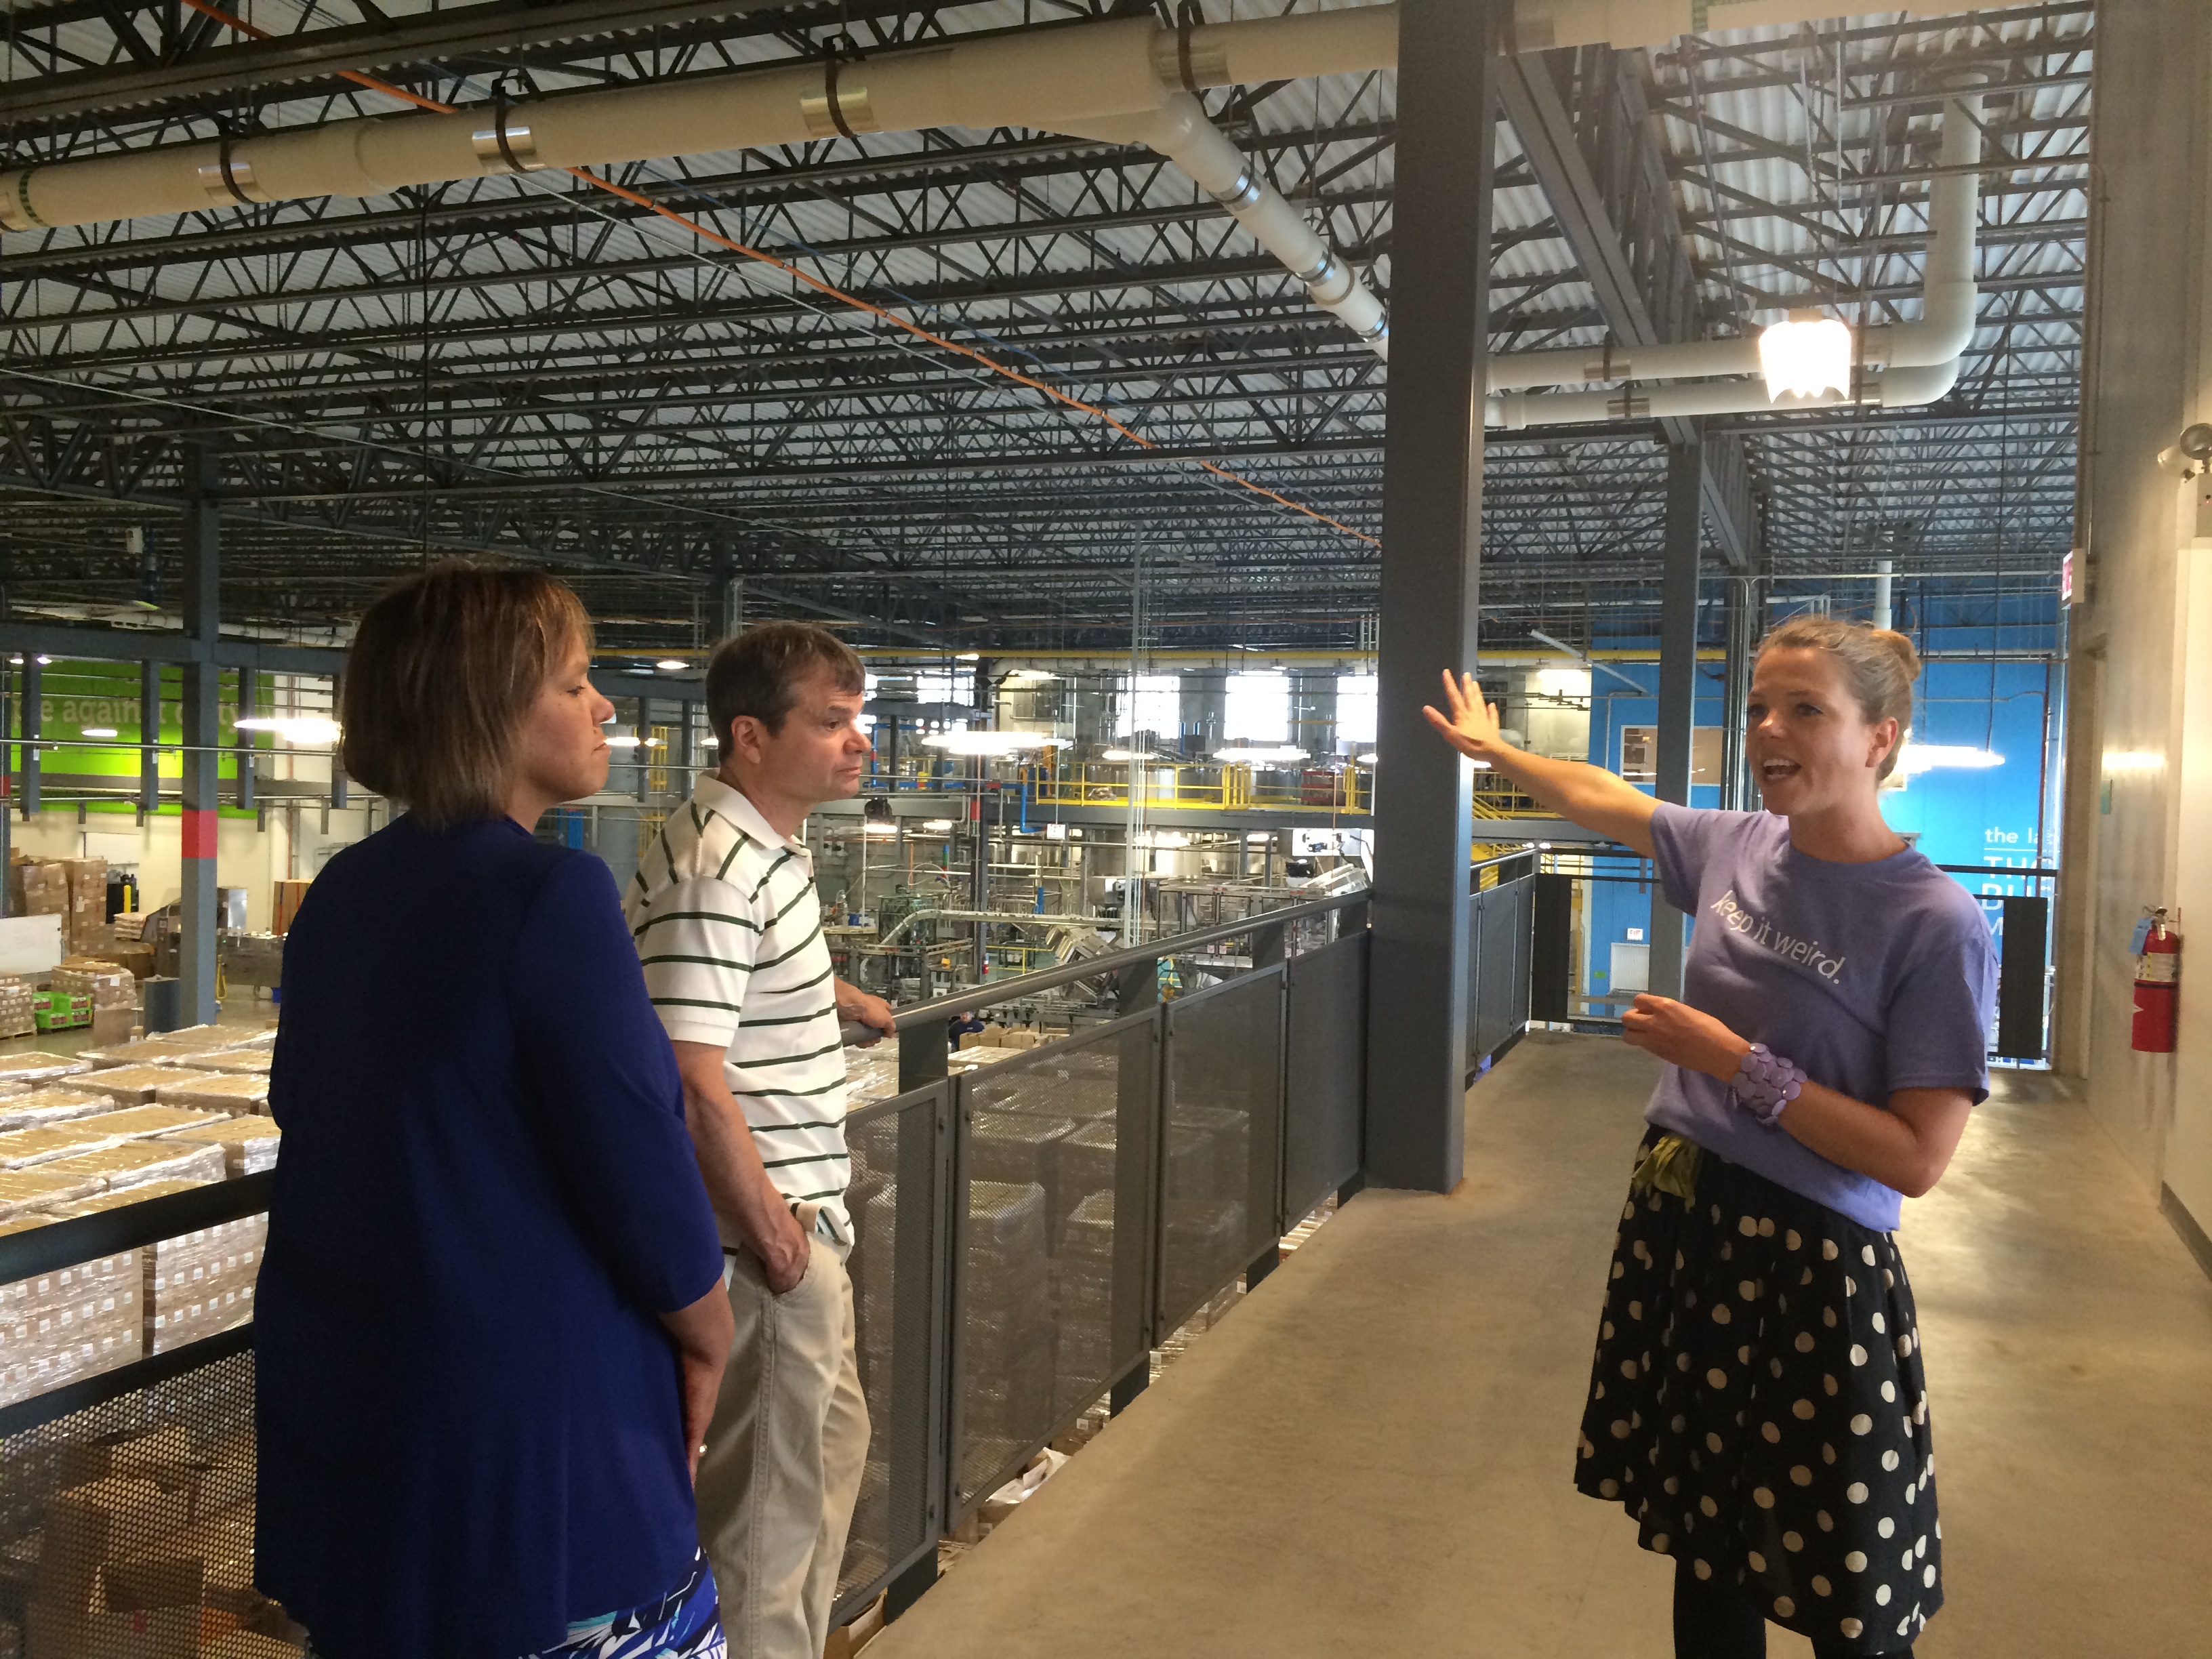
(2158, 987)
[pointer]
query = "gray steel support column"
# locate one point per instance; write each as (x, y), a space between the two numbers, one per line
(1431, 528)
(338, 796)
(196, 954)
(1678, 684)
(149, 737)
(33, 724)
(1737, 792)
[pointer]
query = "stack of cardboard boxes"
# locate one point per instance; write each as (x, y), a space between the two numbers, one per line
(76, 889)
(148, 1550)
(15, 1006)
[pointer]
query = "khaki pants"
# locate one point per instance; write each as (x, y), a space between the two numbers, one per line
(781, 1470)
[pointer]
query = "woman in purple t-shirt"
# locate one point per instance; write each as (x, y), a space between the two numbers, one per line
(1757, 1402)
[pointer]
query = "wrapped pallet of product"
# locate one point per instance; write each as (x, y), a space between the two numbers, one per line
(1087, 1159)
(73, 1322)
(44, 1187)
(88, 1526)
(34, 1068)
(108, 984)
(39, 1108)
(1228, 1138)
(134, 1085)
(249, 1143)
(26, 1149)
(235, 1092)
(15, 1006)
(201, 1282)
(244, 1061)
(144, 1122)
(1201, 1249)
(1017, 1148)
(1008, 1290)
(1083, 1303)
(134, 1162)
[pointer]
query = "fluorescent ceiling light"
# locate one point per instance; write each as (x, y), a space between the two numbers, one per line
(880, 831)
(1362, 760)
(101, 731)
(620, 741)
(1120, 756)
(671, 664)
(293, 728)
(1806, 355)
(43, 661)
(968, 656)
(986, 743)
(2134, 760)
(1258, 755)
(940, 825)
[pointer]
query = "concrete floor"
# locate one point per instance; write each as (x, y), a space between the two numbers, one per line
(1371, 1454)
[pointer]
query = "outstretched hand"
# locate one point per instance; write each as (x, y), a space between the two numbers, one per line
(1472, 725)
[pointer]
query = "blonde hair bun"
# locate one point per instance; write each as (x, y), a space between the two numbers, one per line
(1903, 647)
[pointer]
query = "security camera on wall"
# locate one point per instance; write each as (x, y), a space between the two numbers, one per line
(2189, 453)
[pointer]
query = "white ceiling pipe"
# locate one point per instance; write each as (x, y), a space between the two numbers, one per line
(1180, 131)
(1540, 25)
(1894, 388)
(1947, 299)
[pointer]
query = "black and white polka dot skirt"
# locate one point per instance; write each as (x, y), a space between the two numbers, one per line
(1757, 1405)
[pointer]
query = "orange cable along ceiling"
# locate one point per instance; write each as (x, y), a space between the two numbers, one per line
(854, 301)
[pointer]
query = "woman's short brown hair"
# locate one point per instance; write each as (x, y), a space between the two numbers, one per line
(1879, 663)
(758, 673)
(443, 668)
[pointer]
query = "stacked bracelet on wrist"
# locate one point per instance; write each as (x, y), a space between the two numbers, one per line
(1764, 1083)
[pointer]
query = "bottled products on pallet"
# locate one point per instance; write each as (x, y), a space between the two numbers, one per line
(199, 1283)
(254, 1061)
(1086, 1159)
(69, 1324)
(1017, 1148)
(15, 1006)
(249, 1144)
(44, 1186)
(143, 1122)
(1229, 1136)
(134, 1162)
(1201, 1249)
(135, 1085)
(38, 1108)
(26, 1149)
(217, 1091)
(1083, 1303)
(40, 1068)
(1007, 1394)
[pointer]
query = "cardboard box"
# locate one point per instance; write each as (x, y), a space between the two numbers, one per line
(135, 1085)
(104, 1520)
(227, 1093)
(134, 1163)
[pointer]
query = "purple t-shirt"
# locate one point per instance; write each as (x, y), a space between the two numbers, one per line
(1872, 977)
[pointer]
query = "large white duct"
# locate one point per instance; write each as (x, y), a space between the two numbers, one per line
(1899, 367)
(1127, 77)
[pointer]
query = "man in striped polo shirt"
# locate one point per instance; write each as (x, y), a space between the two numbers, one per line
(729, 930)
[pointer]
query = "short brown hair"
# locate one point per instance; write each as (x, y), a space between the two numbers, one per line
(1879, 663)
(443, 668)
(758, 673)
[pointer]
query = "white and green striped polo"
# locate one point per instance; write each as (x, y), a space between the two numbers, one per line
(729, 931)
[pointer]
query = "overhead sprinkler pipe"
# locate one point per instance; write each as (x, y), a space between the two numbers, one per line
(1901, 365)
(1179, 131)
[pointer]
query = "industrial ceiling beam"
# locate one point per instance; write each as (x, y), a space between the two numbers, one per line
(1648, 296)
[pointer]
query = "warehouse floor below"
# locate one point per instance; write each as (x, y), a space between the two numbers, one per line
(1372, 1454)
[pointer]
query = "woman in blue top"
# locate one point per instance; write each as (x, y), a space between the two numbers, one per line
(1757, 1403)
(490, 1323)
